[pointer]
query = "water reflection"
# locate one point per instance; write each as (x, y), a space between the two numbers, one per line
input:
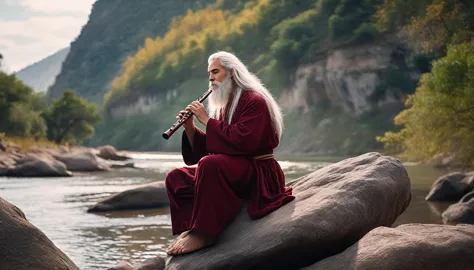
(110, 244)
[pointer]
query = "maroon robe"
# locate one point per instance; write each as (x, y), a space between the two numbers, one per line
(208, 197)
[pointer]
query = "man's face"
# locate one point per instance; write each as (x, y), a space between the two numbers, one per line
(216, 71)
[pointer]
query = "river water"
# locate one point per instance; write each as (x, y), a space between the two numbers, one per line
(57, 206)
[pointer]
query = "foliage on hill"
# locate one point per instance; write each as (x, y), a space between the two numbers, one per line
(439, 118)
(273, 37)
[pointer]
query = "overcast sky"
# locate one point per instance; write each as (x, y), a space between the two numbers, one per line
(31, 30)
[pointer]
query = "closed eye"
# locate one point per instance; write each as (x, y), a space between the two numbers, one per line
(214, 71)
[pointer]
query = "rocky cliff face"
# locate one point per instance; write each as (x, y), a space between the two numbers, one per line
(115, 30)
(341, 102)
(337, 105)
(347, 78)
(142, 105)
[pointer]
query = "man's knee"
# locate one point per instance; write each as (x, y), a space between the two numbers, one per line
(212, 161)
(171, 177)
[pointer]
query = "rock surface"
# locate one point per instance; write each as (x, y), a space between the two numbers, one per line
(460, 212)
(157, 263)
(335, 206)
(151, 195)
(451, 187)
(409, 246)
(24, 246)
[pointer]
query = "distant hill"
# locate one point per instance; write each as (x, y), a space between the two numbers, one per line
(41, 75)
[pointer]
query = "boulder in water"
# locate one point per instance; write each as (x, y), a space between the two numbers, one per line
(82, 161)
(109, 152)
(408, 246)
(37, 165)
(335, 206)
(460, 212)
(151, 195)
(451, 187)
(24, 246)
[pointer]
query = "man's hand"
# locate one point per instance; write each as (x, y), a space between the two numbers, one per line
(188, 124)
(199, 111)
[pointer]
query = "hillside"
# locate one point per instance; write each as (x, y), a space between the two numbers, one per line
(339, 80)
(40, 75)
(114, 31)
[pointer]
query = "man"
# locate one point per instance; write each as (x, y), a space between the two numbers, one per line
(234, 157)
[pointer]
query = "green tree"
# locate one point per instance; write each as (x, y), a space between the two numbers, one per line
(70, 119)
(25, 122)
(12, 91)
(440, 117)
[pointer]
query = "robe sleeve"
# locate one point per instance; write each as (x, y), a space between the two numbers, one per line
(242, 137)
(192, 156)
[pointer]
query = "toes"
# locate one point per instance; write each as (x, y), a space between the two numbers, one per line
(172, 249)
(176, 248)
(180, 250)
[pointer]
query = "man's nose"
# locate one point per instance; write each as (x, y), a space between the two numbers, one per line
(211, 78)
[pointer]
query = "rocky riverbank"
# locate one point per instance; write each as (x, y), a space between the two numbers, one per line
(342, 218)
(56, 161)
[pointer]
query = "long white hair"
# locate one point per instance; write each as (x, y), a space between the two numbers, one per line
(246, 81)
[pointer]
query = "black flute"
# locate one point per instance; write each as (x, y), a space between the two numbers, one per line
(167, 134)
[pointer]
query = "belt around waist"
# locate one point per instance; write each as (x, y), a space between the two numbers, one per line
(262, 157)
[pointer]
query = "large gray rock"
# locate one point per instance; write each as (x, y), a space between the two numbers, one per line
(82, 161)
(409, 246)
(24, 246)
(36, 165)
(460, 212)
(335, 206)
(151, 195)
(451, 187)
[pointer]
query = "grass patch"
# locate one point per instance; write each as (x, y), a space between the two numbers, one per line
(27, 143)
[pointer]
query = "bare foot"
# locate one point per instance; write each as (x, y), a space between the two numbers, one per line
(182, 235)
(191, 242)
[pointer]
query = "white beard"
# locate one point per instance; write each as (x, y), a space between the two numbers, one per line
(220, 93)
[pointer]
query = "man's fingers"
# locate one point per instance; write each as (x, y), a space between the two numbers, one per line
(197, 104)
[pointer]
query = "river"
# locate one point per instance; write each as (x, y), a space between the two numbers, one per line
(57, 206)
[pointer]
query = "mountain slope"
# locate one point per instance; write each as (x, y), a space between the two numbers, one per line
(115, 30)
(41, 74)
